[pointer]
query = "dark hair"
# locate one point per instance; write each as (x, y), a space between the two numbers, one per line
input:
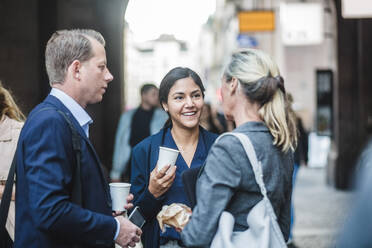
(147, 87)
(263, 89)
(170, 79)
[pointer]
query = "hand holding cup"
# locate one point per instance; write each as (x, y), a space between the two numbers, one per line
(161, 181)
(128, 206)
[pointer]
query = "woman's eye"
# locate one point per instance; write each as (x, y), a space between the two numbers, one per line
(178, 98)
(196, 95)
(101, 67)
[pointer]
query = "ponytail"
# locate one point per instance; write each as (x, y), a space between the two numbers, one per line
(168, 123)
(280, 121)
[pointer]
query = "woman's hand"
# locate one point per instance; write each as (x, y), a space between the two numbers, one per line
(161, 181)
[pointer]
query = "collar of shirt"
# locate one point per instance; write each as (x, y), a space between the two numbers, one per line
(77, 111)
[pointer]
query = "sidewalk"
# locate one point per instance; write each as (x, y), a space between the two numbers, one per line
(319, 209)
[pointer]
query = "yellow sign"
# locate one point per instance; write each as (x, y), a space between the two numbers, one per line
(253, 21)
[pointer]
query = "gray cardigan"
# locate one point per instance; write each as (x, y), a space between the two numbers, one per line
(228, 183)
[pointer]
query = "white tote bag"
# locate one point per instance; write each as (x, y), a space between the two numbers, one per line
(263, 231)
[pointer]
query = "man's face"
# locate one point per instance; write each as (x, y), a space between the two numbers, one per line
(151, 97)
(94, 76)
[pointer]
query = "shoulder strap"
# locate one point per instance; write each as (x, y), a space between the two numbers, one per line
(5, 201)
(76, 196)
(76, 145)
(256, 165)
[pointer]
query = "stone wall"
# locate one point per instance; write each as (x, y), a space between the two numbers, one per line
(25, 27)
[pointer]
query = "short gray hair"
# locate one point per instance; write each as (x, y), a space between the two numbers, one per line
(65, 46)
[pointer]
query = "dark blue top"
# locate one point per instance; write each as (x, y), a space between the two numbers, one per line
(176, 193)
(144, 158)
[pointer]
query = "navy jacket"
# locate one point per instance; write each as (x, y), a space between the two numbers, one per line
(45, 215)
(144, 158)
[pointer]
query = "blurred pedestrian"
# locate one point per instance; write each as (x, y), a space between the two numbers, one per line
(209, 120)
(182, 97)
(253, 96)
(11, 122)
(134, 126)
(58, 202)
(300, 158)
(356, 231)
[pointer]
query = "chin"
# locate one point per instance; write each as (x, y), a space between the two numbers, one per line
(190, 125)
(96, 100)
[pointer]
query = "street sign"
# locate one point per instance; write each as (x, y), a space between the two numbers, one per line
(301, 23)
(247, 41)
(356, 9)
(254, 21)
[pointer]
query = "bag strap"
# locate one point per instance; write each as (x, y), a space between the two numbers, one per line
(76, 195)
(256, 165)
(5, 201)
(258, 174)
(76, 145)
(76, 190)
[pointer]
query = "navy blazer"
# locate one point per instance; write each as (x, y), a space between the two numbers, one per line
(45, 215)
(144, 158)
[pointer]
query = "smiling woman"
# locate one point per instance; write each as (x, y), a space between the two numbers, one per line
(184, 104)
(181, 94)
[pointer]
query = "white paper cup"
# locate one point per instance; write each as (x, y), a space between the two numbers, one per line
(166, 156)
(119, 193)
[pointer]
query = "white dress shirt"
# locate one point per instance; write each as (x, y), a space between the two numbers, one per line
(77, 111)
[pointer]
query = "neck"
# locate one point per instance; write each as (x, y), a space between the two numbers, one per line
(70, 92)
(184, 136)
(146, 106)
(246, 112)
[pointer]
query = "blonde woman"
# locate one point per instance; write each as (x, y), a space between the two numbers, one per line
(11, 122)
(253, 96)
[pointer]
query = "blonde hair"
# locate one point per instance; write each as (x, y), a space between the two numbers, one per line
(8, 106)
(65, 46)
(261, 82)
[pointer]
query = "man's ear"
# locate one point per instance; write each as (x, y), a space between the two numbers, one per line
(233, 85)
(74, 69)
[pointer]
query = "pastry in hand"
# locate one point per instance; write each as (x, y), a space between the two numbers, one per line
(175, 215)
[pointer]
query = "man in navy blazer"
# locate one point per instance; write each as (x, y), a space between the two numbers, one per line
(45, 214)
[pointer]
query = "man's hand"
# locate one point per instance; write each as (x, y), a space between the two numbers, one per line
(127, 206)
(161, 181)
(129, 233)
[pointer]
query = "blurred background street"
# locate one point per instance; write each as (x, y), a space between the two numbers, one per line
(322, 47)
(320, 209)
